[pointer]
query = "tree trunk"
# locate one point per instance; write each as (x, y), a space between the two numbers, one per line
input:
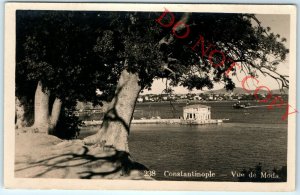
(42, 120)
(55, 113)
(41, 109)
(20, 114)
(116, 123)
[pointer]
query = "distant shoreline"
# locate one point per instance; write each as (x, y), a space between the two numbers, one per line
(197, 101)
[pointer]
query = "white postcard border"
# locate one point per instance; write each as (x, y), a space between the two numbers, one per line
(9, 101)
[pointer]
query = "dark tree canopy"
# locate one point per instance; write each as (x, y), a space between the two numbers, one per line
(56, 48)
(75, 53)
(240, 37)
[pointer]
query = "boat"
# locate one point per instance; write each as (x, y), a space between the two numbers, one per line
(240, 106)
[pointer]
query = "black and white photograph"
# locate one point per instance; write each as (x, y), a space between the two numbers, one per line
(177, 96)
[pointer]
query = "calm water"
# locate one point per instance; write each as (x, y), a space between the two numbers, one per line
(251, 136)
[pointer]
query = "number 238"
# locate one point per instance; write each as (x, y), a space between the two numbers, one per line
(149, 173)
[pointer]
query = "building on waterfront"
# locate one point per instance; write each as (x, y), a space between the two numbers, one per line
(196, 112)
(140, 100)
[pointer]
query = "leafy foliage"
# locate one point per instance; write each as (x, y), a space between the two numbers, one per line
(75, 53)
(85, 51)
(68, 126)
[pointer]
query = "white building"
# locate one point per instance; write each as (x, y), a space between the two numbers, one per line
(197, 112)
(197, 97)
(140, 99)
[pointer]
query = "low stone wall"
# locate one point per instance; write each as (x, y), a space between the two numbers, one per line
(163, 121)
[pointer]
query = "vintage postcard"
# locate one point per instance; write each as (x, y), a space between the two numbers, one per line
(150, 96)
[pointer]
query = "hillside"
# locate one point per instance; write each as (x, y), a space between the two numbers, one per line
(240, 90)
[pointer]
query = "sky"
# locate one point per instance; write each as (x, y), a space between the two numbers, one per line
(280, 24)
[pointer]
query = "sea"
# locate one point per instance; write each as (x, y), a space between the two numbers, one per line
(249, 137)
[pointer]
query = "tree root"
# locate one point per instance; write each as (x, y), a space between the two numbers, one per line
(127, 164)
(122, 158)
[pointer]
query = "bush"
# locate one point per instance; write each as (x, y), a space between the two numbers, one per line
(68, 126)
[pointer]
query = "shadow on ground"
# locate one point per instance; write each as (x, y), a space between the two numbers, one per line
(45, 156)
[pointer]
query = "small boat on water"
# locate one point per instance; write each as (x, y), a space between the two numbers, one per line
(240, 106)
